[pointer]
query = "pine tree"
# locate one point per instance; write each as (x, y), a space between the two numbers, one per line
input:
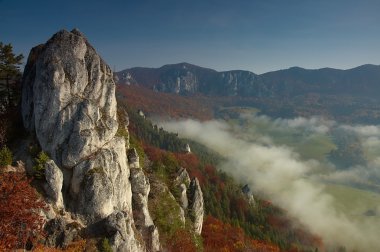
(9, 73)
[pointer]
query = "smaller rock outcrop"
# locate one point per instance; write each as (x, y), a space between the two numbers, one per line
(118, 227)
(246, 190)
(141, 113)
(140, 192)
(187, 148)
(190, 197)
(133, 158)
(54, 183)
(183, 200)
(196, 205)
(182, 177)
(182, 182)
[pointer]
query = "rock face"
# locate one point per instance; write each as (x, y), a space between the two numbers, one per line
(54, 183)
(196, 205)
(140, 193)
(133, 159)
(69, 103)
(69, 98)
(118, 226)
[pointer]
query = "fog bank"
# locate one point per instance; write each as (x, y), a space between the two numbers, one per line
(286, 178)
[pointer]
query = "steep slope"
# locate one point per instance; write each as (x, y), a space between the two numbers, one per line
(244, 222)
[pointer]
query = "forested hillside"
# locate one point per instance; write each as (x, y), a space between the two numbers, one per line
(237, 219)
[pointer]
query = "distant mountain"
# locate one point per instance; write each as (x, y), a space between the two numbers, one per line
(360, 81)
(184, 78)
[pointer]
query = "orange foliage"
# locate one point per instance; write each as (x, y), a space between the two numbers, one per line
(164, 104)
(19, 207)
(77, 246)
(191, 162)
(154, 154)
(181, 241)
(219, 236)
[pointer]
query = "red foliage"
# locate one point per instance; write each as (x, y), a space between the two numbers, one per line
(188, 160)
(218, 236)
(278, 222)
(181, 241)
(191, 162)
(19, 207)
(240, 204)
(76, 246)
(195, 173)
(164, 104)
(210, 170)
(154, 154)
(212, 175)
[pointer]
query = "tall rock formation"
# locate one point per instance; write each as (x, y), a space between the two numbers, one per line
(69, 103)
(140, 192)
(190, 198)
(196, 207)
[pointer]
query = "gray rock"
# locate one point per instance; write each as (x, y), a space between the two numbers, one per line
(133, 158)
(153, 242)
(182, 177)
(140, 192)
(187, 148)
(118, 226)
(100, 185)
(196, 205)
(54, 183)
(60, 233)
(69, 103)
(68, 98)
(181, 182)
(183, 200)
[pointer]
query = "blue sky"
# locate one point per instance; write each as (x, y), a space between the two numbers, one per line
(253, 35)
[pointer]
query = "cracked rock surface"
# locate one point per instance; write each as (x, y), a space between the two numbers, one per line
(69, 98)
(69, 104)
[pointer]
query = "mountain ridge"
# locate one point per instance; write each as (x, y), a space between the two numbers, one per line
(184, 78)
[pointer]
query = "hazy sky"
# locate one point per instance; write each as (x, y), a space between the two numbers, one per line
(253, 35)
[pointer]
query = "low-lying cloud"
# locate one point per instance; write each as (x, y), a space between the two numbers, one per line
(286, 178)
